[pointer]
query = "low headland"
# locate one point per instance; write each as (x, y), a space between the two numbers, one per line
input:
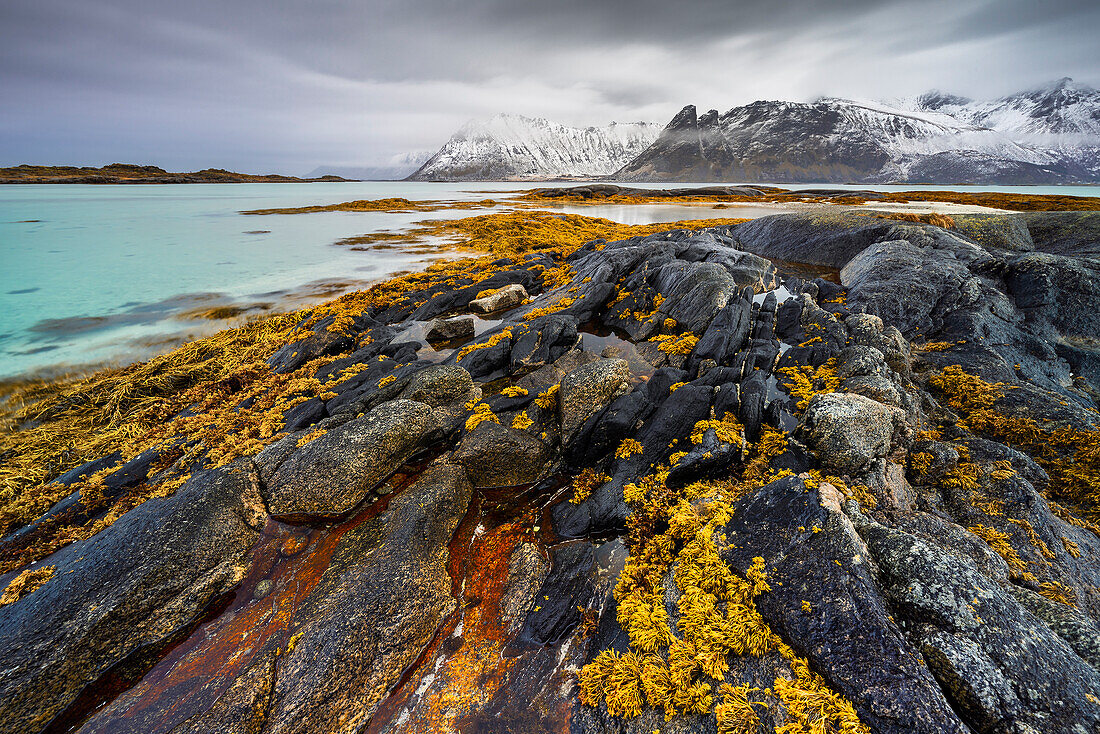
(830, 471)
(129, 173)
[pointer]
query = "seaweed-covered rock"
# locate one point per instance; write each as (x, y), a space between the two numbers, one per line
(824, 600)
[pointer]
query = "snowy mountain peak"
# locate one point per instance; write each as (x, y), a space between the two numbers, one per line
(509, 146)
(934, 100)
(1050, 134)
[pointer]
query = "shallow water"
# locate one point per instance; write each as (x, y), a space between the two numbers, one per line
(108, 274)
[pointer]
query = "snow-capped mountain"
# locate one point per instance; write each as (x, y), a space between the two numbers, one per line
(1061, 118)
(394, 169)
(1051, 112)
(516, 147)
(1046, 135)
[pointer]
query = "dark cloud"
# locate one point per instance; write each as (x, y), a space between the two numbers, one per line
(281, 85)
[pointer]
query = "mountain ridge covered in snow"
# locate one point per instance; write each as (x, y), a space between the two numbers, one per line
(509, 146)
(1049, 134)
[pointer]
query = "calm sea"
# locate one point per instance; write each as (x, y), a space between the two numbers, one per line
(93, 275)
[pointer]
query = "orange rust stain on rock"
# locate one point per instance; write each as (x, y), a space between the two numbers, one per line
(467, 680)
(200, 670)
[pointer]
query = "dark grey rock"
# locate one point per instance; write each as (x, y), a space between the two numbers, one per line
(330, 475)
(1052, 684)
(568, 589)
(375, 609)
(813, 554)
(543, 341)
(498, 456)
(132, 587)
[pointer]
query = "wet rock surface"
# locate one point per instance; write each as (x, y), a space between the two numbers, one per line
(333, 473)
(868, 498)
(139, 584)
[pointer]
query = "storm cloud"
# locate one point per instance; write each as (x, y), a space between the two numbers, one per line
(282, 86)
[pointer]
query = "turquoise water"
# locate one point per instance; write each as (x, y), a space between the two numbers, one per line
(93, 275)
(102, 274)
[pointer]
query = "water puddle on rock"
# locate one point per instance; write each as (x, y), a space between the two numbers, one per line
(600, 340)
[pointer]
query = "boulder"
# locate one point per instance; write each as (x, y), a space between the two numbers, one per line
(330, 475)
(445, 330)
(438, 385)
(587, 389)
(543, 341)
(826, 603)
(498, 456)
(850, 431)
(509, 296)
(859, 360)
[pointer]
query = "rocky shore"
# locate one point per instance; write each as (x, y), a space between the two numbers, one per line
(809, 473)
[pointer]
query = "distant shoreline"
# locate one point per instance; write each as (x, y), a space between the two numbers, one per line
(126, 173)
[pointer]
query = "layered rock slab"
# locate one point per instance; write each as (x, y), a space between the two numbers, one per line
(135, 586)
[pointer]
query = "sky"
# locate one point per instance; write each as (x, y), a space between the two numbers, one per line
(286, 86)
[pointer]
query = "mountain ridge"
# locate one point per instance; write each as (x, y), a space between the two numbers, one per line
(1048, 134)
(515, 146)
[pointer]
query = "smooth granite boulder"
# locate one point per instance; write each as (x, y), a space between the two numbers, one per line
(333, 473)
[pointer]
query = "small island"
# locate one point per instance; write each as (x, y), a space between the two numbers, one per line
(129, 173)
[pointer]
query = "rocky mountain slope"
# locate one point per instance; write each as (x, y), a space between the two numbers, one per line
(1046, 135)
(517, 147)
(675, 483)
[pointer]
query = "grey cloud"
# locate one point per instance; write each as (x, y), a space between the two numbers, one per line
(282, 85)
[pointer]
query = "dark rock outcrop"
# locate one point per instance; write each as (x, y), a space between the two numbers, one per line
(125, 593)
(333, 473)
(443, 537)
